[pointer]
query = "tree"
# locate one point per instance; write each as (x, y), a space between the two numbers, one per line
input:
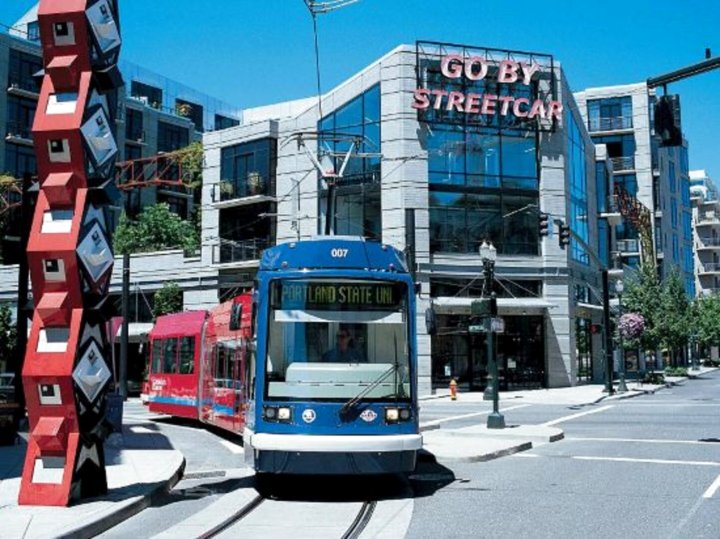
(673, 321)
(705, 317)
(643, 295)
(168, 300)
(8, 336)
(156, 229)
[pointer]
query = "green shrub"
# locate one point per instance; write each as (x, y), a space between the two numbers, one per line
(676, 371)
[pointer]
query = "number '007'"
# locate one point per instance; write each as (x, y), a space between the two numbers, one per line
(338, 253)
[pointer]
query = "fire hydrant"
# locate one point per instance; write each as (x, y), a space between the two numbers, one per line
(453, 389)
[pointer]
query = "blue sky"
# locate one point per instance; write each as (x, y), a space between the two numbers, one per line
(258, 52)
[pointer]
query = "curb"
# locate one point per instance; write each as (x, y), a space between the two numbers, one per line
(486, 456)
(102, 523)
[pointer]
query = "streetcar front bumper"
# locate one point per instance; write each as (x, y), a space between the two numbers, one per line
(327, 454)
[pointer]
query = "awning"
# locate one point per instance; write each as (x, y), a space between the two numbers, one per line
(137, 332)
(451, 305)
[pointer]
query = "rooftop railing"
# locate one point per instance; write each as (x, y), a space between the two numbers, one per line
(610, 124)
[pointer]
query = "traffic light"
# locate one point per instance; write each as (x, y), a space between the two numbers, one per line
(563, 235)
(667, 120)
(544, 224)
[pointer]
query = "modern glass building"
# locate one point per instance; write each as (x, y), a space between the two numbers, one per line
(453, 145)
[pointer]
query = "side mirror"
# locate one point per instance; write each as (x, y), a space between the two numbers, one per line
(430, 322)
(235, 316)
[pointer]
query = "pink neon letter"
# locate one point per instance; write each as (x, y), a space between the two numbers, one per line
(451, 66)
(507, 72)
(488, 104)
(455, 100)
(516, 107)
(438, 98)
(470, 62)
(528, 71)
(537, 109)
(506, 100)
(555, 110)
(472, 103)
(421, 99)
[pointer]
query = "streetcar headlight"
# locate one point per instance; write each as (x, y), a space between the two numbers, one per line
(392, 415)
(405, 414)
(284, 414)
(270, 413)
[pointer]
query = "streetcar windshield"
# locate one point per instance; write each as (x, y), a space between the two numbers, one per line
(332, 339)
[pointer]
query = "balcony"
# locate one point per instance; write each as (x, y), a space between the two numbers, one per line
(628, 246)
(229, 251)
(23, 87)
(623, 164)
(18, 133)
(707, 218)
(229, 193)
(708, 243)
(709, 267)
(616, 123)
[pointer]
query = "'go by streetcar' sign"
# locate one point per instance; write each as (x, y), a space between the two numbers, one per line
(488, 87)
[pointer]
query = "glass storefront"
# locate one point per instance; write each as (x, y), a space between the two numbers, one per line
(456, 353)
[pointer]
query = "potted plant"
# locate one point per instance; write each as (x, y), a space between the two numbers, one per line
(255, 183)
(226, 188)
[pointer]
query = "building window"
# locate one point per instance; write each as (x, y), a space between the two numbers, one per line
(672, 180)
(627, 182)
(20, 117)
(577, 171)
(248, 169)
(224, 122)
(133, 151)
(602, 187)
(150, 95)
(192, 111)
(21, 70)
(172, 137)
(471, 288)
(609, 114)
(19, 160)
(673, 213)
(675, 248)
(685, 187)
(134, 125)
(357, 209)
(33, 31)
(687, 225)
(177, 203)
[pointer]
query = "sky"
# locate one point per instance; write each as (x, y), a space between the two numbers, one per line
(251, 53)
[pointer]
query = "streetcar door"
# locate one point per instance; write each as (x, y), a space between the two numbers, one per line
(207, 381)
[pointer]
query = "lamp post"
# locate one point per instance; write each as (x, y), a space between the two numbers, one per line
(693, 351)
(622, 387)
(488, 253)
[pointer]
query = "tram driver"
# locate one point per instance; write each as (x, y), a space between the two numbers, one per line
(344, 351)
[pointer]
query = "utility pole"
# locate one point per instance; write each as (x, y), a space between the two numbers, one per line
(122, 368)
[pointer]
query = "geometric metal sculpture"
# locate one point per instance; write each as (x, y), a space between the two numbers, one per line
(65, 372)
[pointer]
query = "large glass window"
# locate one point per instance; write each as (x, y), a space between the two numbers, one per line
(358, 209)
(672, 180)
(193, 111)
(22, 69)
(577, 170)
(334, 339)
(248, 169)
(172, 137)
(610, 114)
(150, 95)
(20, 116)
(134, 125)
(187, 355)
(20, 159)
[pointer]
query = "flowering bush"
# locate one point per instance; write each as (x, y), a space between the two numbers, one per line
(631, 325)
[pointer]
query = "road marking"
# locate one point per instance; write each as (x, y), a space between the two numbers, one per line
(637, 440)
(652, 461)
(233, 448)
(141, 430)
(525, 455)
(465, 416)
(575, 416)
(712, 489)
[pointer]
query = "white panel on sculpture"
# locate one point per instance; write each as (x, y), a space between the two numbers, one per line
(57, 222)
(59, 150)
(53, 340)
(49, 470)
(95, 253)
(54, 269)
(49, 394)
(64, 33)
(63, 103)
(91, 373)
(104, 26)
(99, 137)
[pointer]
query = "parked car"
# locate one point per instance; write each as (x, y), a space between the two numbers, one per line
(9, 409)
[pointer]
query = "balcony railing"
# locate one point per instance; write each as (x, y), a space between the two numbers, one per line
(230, 190)
(628, 246)
(18, 130)
(709, 267)
(707, 217)
(25, 84)
(708, 242)
(623, 163)
(229, 251)
(610, 124)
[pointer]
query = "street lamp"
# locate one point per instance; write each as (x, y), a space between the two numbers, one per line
(622, 387)
(488, 254)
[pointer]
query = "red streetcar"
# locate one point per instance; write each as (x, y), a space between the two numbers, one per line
(200, 366)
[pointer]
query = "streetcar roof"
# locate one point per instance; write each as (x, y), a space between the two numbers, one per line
(171, 325)
(334, 252)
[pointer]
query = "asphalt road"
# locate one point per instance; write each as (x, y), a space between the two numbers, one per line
(647, 466)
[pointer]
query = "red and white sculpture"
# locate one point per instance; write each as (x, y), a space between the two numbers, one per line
(66, 373)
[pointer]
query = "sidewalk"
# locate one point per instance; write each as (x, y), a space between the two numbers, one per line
(478, 443)
(142, 464)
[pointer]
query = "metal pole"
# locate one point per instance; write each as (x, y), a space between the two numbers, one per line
(496, 419)
(330, 213)
(608, 334)
(622, 387)
(489, 393)
(122, 375)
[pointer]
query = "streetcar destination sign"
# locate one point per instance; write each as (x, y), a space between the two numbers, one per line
(307, 295)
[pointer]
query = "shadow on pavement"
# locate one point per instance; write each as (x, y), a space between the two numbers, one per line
(429, 476)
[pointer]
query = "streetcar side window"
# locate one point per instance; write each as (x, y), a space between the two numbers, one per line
(187, 355)
(170, 347)
(221, 366)
(157, 356)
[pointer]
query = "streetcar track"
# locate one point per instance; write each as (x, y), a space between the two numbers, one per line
(235, 518)
(361, 521)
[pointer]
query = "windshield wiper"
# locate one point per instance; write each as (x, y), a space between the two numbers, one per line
(349, 405)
